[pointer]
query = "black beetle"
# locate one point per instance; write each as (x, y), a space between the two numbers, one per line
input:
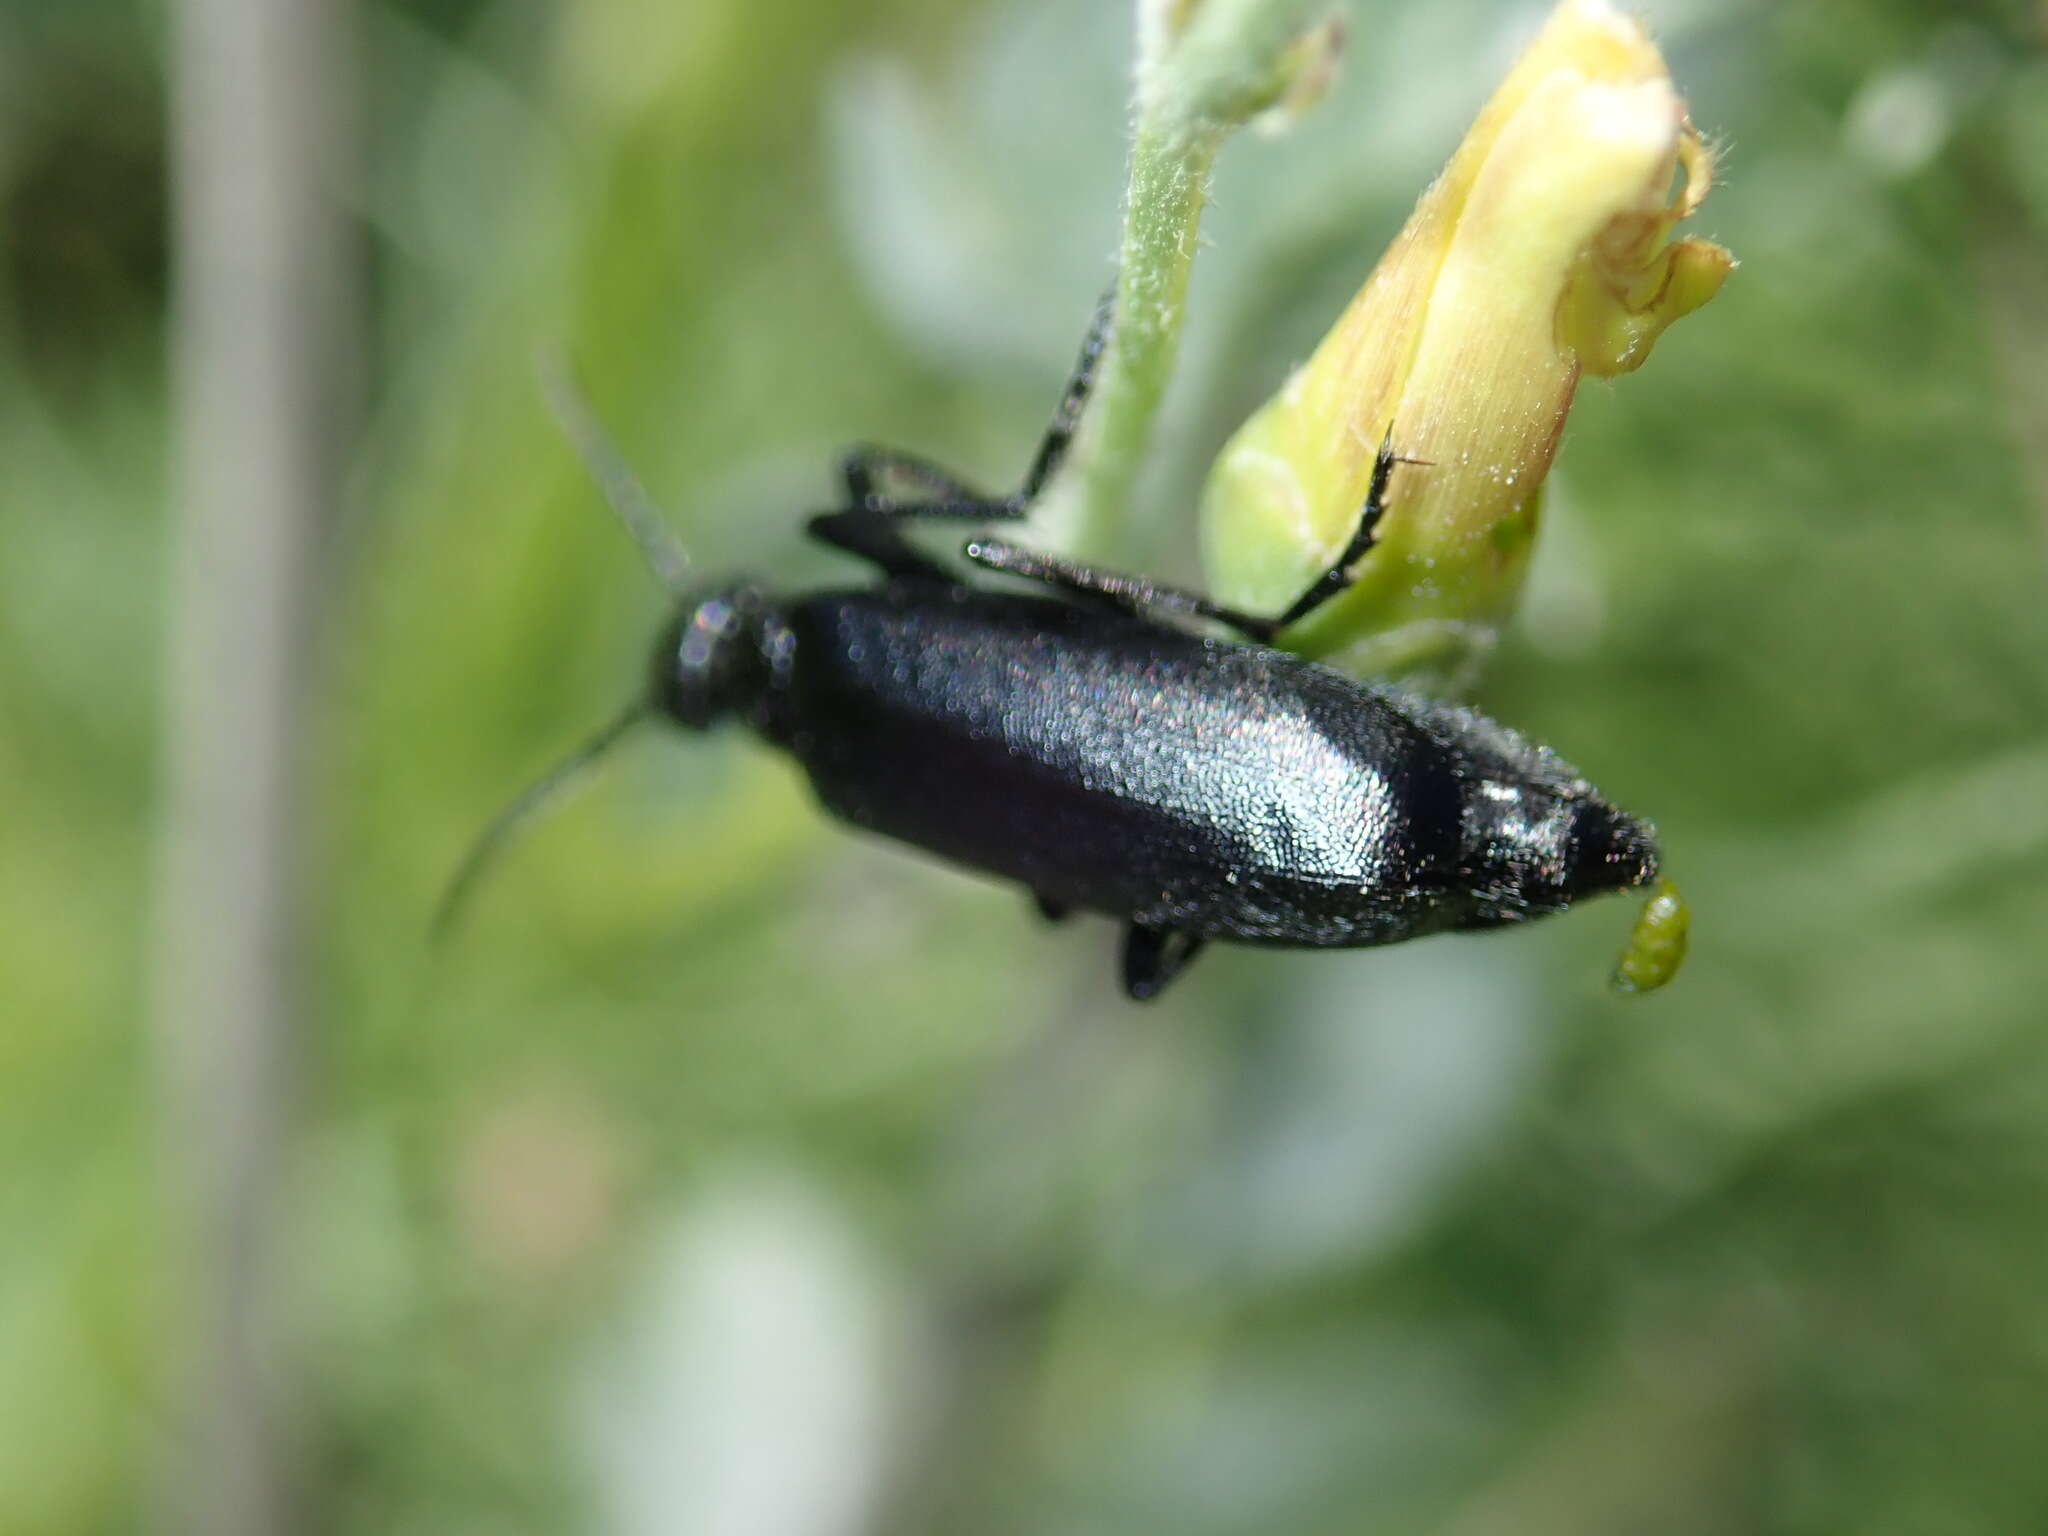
(1191, 787)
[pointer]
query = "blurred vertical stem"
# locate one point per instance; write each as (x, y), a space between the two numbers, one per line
(1205, 67)
(259, 97)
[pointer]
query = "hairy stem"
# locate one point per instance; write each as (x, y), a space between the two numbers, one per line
(1205, 68)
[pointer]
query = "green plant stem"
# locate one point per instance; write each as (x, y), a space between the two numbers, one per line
(1169, 185)
(1199, 79)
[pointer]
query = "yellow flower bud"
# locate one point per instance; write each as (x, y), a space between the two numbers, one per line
(1542, 252)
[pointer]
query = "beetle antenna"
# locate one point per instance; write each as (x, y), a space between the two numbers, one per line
(491, 841)
(623, 492)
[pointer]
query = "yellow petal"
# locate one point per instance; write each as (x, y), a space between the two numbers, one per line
(1542, 250)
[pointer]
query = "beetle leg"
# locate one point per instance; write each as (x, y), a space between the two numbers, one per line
(952, 498)
(1153, 957)
(863, 468)
(860, 531)
(867, 527)
(1130, 594)
(1059, 436)
(1341, 573)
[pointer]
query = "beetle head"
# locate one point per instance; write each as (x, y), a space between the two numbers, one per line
(716, 656)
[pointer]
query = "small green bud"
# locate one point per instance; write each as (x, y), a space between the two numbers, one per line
(1656, 948)
(1541, 253)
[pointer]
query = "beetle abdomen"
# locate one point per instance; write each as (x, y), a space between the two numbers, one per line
(1121, 766)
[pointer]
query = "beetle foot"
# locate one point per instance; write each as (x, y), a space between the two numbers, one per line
(1153, 957)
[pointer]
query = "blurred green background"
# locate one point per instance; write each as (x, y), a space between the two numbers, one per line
(732, 1174)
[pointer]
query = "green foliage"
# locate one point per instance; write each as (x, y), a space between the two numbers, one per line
(1444, 1238)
